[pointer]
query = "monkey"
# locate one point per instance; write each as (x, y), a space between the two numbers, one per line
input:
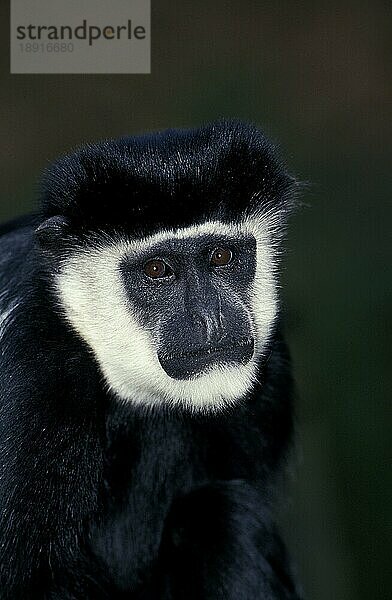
(146, 393)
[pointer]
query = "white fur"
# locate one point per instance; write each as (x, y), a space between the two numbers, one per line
(6, 313)
(92, 295)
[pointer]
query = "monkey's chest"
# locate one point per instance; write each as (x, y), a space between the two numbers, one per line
(127, 541)
(128, 538)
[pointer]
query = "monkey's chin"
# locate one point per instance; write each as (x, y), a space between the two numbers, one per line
(192, 364)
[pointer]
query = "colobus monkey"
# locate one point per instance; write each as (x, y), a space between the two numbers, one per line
(145, 391)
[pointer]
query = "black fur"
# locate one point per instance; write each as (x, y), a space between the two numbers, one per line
(170, 179)
(99, 499)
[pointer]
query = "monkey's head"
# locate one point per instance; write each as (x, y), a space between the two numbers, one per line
(165, 249)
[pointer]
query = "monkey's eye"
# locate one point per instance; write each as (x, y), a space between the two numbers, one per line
(157, 269)
(221, 257)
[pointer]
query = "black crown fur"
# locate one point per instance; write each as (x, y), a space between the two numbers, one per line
(172, 178)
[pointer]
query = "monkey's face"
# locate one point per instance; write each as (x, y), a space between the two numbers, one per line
(193, 296)
(182, 316)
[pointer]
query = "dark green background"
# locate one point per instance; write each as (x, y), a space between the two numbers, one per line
(316, 76)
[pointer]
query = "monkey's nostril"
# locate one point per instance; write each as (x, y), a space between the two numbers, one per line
(199, 320)
(209, 327)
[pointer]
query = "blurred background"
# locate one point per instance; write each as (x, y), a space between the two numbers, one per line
(316, 76)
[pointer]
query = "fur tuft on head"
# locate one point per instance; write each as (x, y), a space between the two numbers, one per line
(174, 178)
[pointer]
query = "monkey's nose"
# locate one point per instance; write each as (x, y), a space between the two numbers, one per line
(209, 325)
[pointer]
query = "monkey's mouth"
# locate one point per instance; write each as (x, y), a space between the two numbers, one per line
(186, 364)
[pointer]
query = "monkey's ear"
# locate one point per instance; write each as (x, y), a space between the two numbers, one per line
(51, 231)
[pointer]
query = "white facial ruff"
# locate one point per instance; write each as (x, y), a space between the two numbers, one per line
(94, 301)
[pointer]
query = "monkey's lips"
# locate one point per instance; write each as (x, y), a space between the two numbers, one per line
(187, 364)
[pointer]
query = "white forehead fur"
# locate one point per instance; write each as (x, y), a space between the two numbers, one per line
(94, 301)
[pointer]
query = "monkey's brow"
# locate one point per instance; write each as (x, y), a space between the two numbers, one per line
(198, 242)
(192, 245)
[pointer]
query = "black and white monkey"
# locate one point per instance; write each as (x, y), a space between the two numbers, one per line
(145, 390)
